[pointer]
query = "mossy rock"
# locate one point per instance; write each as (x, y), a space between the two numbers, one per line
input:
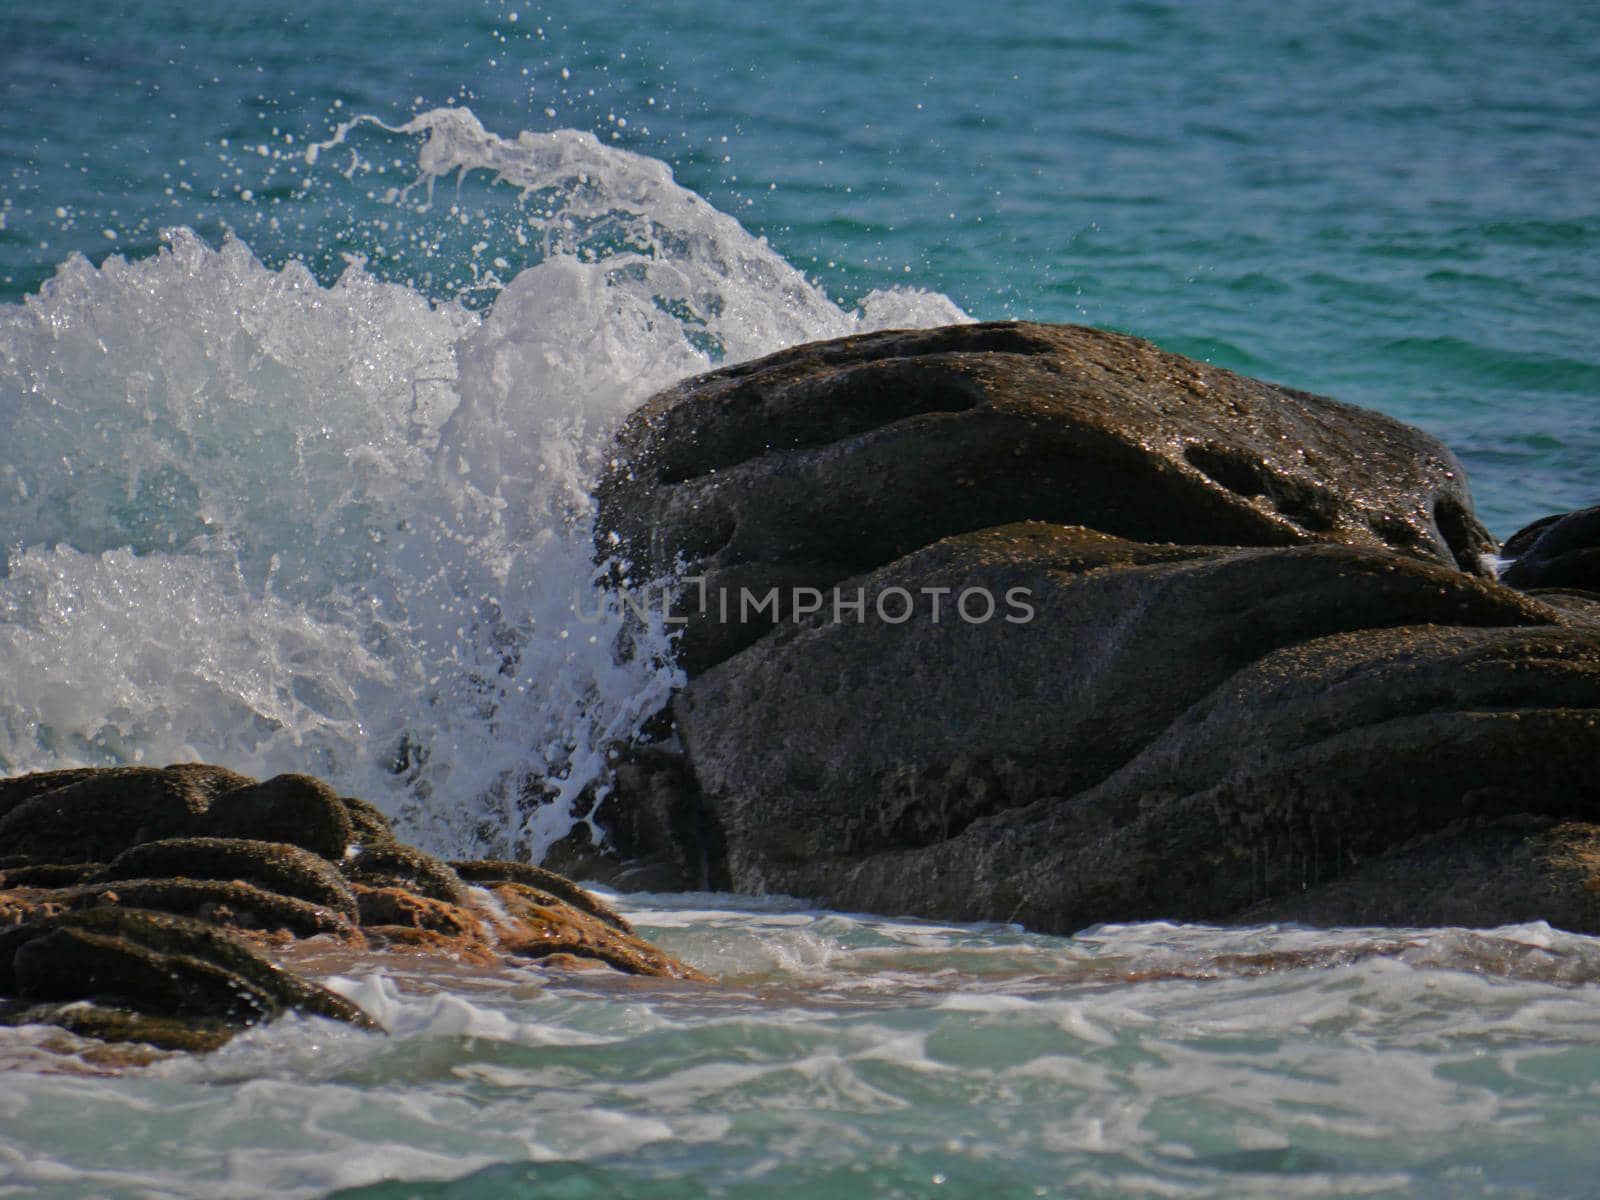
(24, 787)
(209, 779)
(296, 809)
(48, 875)
(367, 822)
(536, 925)
(394, 865)
(93, 817)
(231, 904)
(388, 906)
(125, 1025)
(153, 964)
(276, 867)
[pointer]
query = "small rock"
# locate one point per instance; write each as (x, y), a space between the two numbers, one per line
(394, 865)
(1560, 551)
(273, 866)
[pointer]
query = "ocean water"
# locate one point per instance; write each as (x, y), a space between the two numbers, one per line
(314, 323)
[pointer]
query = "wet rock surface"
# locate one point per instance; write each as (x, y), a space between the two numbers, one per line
(145, 904)
(835, 458)
(1560, 551)
(1262, 661)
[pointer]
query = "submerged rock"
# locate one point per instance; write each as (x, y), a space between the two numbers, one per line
(393, 865)
(488, 872)
(834, 458)
(139, 904)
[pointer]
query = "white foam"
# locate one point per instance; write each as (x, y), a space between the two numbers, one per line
(344, 529)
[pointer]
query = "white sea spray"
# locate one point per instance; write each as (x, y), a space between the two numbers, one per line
(284, 526)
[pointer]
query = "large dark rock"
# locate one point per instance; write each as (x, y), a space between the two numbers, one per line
(1516, 869)
(1230, 644)
(656, 836)
(1293, 771)
(838, 457)
(832, 743)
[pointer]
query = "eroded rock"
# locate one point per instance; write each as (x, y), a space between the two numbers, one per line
(151, 977)
(1294, 771)
(828, 743)
(274, 866)
(140, 903)
(834, 458)
(1517, 869)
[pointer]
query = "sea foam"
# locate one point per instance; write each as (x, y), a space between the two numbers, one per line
(258, 520)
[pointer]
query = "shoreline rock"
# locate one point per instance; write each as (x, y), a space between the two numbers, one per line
(1264, 649)
(127, 915)
(835, 458)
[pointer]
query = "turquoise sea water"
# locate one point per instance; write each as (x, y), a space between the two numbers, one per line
(1398, 204)
(298, 411)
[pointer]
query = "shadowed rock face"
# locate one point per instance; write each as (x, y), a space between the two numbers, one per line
(169, 941)
(1512, 870)
(1169, 719)
(153, 977)
(1295, 771)
(1262, 660)
(834, 458)
(1561, 551)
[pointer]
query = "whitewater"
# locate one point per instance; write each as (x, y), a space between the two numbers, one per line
(347, 530)
(259, 512)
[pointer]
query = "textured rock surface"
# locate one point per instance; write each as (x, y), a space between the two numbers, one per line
(147, 976)
(1262, 661)
(834, 741)
(1298, 768)
(657, 838)
(142, 904)
(273, 866)
(831, 459)
(1513, 870)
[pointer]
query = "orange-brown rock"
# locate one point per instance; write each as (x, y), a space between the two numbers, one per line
(138, 904)
(536, 925)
